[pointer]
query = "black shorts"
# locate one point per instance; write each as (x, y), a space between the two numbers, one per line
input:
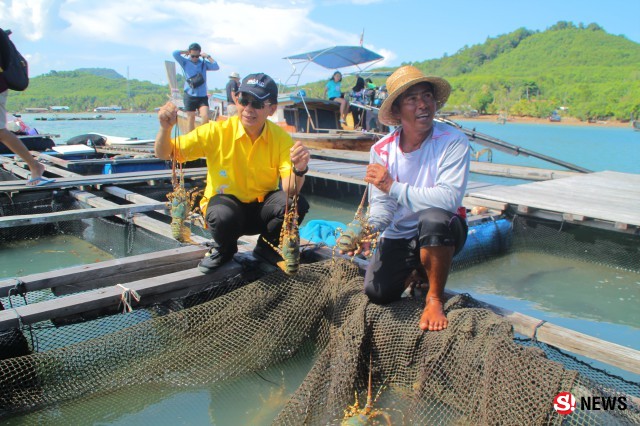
(193, 103)
(395, 259)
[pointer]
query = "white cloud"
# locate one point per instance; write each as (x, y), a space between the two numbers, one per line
(139, 35)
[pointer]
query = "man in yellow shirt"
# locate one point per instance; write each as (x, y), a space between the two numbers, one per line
(247, 158)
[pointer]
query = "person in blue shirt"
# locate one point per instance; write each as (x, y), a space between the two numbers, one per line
(333, 92)
(195, 98)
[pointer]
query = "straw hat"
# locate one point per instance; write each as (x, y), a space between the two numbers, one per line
(401, 80)
(234, 75)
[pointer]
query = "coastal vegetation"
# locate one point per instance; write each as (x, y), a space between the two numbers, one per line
(577, 70)
(580, 71)
(87, 88)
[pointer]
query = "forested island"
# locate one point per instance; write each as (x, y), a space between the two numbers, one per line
(579, 70)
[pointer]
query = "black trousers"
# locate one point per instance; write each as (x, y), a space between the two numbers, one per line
(395, 259)
(229, 218)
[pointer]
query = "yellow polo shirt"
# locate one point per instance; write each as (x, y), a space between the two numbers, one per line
(235, 165)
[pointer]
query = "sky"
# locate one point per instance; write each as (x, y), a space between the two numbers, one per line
(135, 37)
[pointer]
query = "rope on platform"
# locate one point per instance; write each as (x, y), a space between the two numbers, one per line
(534, 336)
(125, 298)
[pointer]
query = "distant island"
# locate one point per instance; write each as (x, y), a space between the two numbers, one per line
(577, 71)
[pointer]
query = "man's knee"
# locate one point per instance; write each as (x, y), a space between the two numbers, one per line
(222, 210)
(439, 227)
(378, 293)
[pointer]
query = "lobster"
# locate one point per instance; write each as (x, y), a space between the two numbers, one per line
(357, 232)
(289, 247)
(354, 415)
(180, 201)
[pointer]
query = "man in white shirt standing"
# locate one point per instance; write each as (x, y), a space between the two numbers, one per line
(419, 174)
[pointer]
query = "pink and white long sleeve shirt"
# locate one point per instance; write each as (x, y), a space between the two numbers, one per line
(435, 175)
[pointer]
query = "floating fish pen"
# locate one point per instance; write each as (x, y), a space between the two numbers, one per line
(326, 354)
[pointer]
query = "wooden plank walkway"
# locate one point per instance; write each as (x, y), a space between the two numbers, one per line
(607, 200)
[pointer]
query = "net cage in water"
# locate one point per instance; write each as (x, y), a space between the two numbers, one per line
(474, 372)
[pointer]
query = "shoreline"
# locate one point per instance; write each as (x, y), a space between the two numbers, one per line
(566, 121)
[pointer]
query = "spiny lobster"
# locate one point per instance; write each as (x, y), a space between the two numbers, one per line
(354, 415)
(357, 232)
(181, 203)
(289, 247)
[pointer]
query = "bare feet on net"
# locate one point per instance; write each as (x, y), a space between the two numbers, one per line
(433, 317)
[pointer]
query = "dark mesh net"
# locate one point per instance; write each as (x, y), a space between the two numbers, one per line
(471, 373)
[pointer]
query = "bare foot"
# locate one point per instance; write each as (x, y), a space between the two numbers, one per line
(36, 172)
(433, 317)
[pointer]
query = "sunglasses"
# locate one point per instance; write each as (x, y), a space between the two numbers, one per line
(255, 103)
(195, 56)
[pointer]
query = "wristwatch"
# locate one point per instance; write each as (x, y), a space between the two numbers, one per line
(300, 172)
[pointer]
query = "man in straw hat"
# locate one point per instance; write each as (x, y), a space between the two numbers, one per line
(419, 175)
(232, 88)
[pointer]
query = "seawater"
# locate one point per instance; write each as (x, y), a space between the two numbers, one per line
(593, 299)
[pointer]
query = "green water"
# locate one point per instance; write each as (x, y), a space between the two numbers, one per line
(48, 253)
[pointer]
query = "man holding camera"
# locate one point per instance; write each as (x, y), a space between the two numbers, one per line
(195, 86)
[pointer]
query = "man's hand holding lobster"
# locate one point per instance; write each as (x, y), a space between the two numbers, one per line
(300, 156)
(360, 236)
(379, 176)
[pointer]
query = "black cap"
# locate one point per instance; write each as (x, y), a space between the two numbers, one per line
(260, 86)
(194, 46)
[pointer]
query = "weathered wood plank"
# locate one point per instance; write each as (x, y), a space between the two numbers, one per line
(143, 221)
(110, 296)
(77, 214)
(607, 196)
(106, 272)
(99, 180)
(578, 343)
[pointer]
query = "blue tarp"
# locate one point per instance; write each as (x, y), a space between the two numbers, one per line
(339, 56)
(483, 241)
(321, 231)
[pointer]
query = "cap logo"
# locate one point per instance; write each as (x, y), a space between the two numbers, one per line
(255, 82)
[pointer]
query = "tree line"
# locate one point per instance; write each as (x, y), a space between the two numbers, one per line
(578, 69)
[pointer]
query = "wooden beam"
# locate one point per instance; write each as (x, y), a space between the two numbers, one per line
(109, 272)
(110, 296)
(579, 343)
(77, 214)
(572, 217)
(143, 221)
(475, 201)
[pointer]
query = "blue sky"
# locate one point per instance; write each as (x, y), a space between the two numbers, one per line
(137, 36)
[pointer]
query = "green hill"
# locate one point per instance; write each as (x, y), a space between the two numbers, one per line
(589, 73)
(83, 90)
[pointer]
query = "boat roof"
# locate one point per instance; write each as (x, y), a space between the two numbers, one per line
(338, 56)
(333, 58)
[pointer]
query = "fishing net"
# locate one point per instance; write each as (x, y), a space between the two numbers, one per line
(474, 372)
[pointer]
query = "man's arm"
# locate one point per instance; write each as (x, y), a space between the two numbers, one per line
(177, 55)
(168, 117)
(209, 62)
(300, 159)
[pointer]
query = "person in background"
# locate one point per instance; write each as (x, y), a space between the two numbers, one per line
(15, 144)
(232, 88)
(247, 157)
(195, 98)
(333, 92)
(418, 174)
